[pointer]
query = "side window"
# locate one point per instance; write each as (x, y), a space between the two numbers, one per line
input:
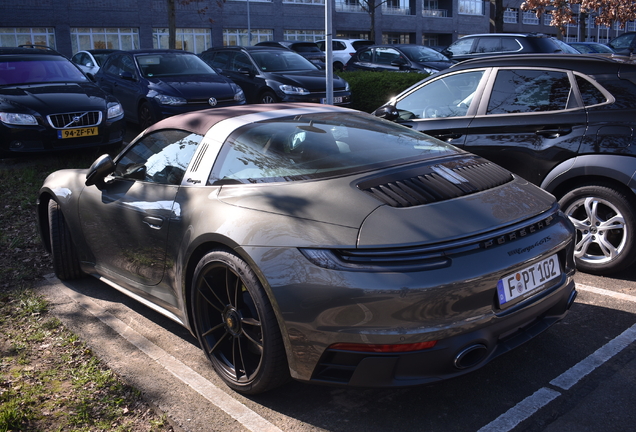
(623, 42)
(445, 97)
(488, 45)
(160, 157)
(128, 64)
(385, 56)
(461, 47)
(338, 46)
(220, 60)
(241, 60)
(112, 66)
(590, 94)
(510, 44)
(521, 91)
(365, 56)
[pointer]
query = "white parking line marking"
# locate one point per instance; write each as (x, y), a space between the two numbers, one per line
(608, 293)
(573, 375)
(523, 410)
(527, 407)
(248, 418)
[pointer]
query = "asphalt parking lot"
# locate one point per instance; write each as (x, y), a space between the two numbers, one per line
(580, 375)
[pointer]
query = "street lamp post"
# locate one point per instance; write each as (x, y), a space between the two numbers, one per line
(328, 52)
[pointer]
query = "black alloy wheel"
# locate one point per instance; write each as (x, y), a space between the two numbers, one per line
(66, 264)
(605, 227)
(236, 326)
(268, 97)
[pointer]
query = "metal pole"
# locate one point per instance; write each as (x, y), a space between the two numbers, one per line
(328, 52)
(249, 27)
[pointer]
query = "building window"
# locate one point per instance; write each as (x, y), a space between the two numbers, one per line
(304, 35)
(396, 38)
(11, 37)
(471, 7)
(104, 38)
(348, 6)
(239, 37)
(431, 9)
(430, 40)
(547, 19)
(352, 35)
(397, 7)
(316, 2)
(530, 17)
(187, 39)
(511, 16)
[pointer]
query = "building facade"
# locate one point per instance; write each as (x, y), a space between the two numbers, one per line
(73, 25)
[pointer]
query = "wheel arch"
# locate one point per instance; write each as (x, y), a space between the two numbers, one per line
(615, 171)
(42, 214)
(209, 245)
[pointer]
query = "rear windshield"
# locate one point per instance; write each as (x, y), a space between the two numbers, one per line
(319, 145)
(38, 69)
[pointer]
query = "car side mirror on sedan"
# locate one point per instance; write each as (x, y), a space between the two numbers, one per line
(246, 71)
(127, 76)
(388, 112)
(98, 171)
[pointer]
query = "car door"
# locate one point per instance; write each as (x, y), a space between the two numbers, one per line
(126, 221)
(119, 77)
(390, 59)
(238, 67)
(528, 121)
(444, 106)
(363, 60)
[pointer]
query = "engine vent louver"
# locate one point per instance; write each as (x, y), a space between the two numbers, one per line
(434, 183)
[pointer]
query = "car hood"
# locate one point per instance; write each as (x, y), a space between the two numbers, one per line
(311, 80)
(55, 97)
(351, 203)
(194, 86)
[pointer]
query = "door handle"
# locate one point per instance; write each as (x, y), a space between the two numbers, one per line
(553, 133)
(153, 222)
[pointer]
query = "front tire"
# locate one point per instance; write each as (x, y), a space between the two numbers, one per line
(605, 226)
(146, 116)
(268, 97)
(236, 326)
(63, 251)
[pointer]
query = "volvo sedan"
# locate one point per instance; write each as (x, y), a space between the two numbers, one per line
(318, 243)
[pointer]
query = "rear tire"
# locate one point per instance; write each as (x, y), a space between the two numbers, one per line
(605, 223)
(236, 326)
(63, 251)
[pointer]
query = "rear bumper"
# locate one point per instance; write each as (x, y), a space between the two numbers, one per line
(451, 357)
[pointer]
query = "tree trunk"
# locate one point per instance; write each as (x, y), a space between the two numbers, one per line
(582, 27)
(496, 16)
(172, 25)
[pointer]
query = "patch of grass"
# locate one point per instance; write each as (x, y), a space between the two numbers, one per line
(49, 379)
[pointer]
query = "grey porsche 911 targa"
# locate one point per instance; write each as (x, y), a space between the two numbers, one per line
(318, 243)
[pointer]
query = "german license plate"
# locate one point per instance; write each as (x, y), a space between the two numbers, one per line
(77, 133)
(336, 99)
(528, 279)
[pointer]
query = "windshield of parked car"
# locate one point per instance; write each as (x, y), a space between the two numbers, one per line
(319, 145)
(38, 69)
(418, 53)
(281, 61)
(172, 64)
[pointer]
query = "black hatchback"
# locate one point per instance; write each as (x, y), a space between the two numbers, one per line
(563, 122)
(154, 84)
(268, 75)
(398, 58)
(48, 104)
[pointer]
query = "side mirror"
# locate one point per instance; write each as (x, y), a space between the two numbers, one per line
(127, 76)
(98, 171)
(388, 112)
(246, 71)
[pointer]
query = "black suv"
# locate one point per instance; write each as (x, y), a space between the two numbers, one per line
(48, 104)
(563, 122)
(268, 75)
(624, 44)
(489, 44)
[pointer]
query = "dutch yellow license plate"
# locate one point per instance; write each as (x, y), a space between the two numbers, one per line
(77, 133)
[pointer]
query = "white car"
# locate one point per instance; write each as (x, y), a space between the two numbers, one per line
(343, 49)
(90, 60)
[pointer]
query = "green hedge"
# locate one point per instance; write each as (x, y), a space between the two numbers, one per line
(370, 90)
